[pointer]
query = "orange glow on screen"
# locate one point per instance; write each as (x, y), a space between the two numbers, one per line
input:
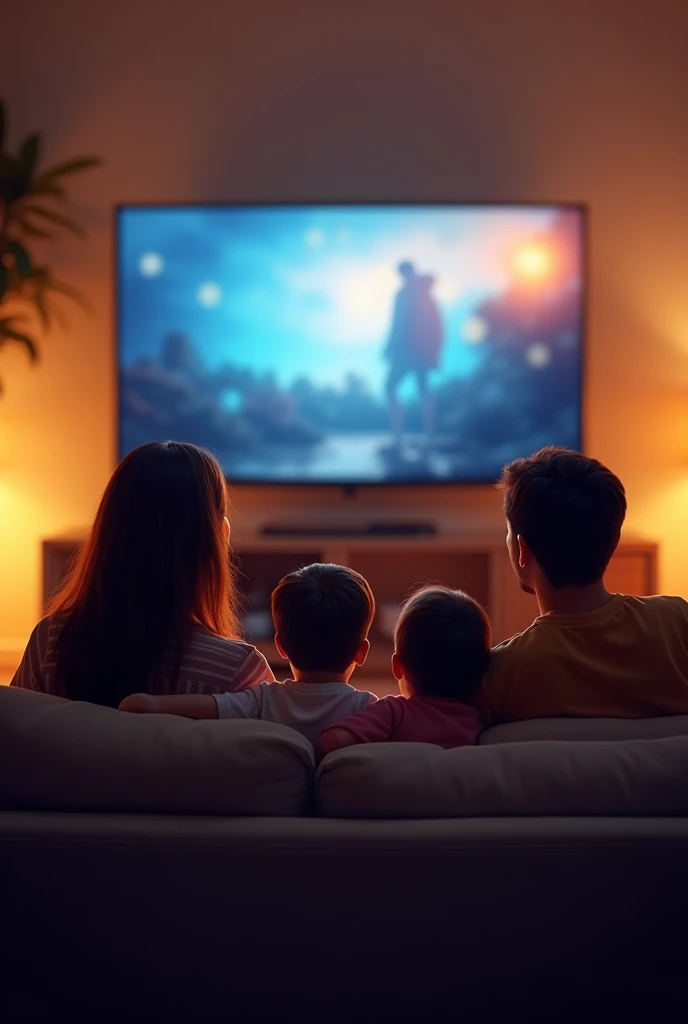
(533, 262)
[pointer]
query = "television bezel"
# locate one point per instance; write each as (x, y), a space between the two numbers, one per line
(353, 486)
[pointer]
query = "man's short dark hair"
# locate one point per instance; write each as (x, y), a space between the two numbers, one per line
(443, 640)
(321, 614)
(569, 509)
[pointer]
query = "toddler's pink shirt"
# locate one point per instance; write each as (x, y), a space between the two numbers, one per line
(440, 720)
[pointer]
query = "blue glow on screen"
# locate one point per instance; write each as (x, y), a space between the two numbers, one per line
(287, 339)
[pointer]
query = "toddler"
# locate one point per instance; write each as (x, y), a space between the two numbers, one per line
(442, 649)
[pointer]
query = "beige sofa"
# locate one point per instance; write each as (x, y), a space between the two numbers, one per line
(160, 869)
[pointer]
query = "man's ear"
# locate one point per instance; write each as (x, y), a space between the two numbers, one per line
(525, 555)
(361, 652)
(280, 650)
(397, 667)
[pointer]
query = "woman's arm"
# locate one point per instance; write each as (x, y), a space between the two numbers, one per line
(188, 705)
(335, 738)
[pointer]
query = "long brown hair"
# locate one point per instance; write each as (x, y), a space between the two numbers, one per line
(156, 563)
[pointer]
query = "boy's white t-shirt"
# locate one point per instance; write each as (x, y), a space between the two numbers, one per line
(310, 708)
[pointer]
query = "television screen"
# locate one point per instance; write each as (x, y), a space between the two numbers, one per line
(351, 344)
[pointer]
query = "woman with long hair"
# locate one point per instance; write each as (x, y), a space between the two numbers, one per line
(151, 603)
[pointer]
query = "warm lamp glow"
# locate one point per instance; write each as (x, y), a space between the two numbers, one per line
(23, 518)
(533, 262)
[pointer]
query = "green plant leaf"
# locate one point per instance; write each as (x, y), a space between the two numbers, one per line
(43, 186)
(28, 156)
(42, 309)
(9, 334)
(4, 280)
(55, 312)
(53, 285)
(31, 230)
(11, 181)
(82, 163)
(8, 321)
(55, 218)
(22, 260)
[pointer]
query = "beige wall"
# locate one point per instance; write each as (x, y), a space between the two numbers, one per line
(522, 99)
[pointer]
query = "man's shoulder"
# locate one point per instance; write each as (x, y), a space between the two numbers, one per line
(662, 614)
(513, 657)
(660, 604)
(518, 643)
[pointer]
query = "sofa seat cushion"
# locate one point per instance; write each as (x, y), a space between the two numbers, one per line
(418, 780)
(587, 729)
(68, 755)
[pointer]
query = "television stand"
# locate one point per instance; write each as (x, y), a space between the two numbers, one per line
(393, 563)
(382, 529)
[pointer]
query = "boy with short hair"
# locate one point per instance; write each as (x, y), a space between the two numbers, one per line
(322, 615)
(441, 650)
(589, 653)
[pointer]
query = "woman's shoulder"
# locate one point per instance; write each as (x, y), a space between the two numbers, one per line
(46, 631)
(224, 663)
(203, 640)
(36, 668)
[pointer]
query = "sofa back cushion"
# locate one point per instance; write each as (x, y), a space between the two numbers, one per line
(587, 729)
(68, 755)
(417, 780)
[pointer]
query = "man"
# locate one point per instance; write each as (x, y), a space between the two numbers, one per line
(589, 653)
(414, 346)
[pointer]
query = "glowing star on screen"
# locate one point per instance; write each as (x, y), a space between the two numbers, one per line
(474, 330)
(538, 356)
(533, 262)
(151, 264)
(315, 238)
(209, 294)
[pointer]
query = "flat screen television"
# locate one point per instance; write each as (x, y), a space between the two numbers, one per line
(352, 344)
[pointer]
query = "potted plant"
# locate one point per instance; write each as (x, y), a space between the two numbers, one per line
(31, 210)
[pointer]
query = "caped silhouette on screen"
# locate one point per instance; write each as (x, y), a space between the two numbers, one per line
(414, 346)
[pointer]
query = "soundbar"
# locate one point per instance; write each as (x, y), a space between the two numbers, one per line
(375, 529)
